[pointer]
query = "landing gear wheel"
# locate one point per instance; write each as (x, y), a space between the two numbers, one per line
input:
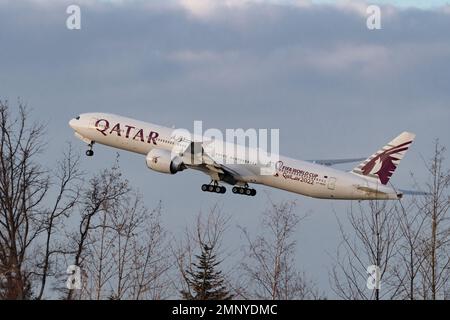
(245, 191)
(214, 187)
(90, 152)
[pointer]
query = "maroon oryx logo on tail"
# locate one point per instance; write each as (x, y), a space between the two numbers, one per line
(385, 163)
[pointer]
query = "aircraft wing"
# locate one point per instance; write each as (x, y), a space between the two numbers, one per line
(196, 158)
(332, 162)
(231, 174)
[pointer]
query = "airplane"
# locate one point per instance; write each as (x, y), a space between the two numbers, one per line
(168, 152)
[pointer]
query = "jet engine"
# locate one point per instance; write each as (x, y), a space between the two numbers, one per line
(162, 161)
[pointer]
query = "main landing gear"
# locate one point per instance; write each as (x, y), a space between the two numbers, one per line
(90, 152)
(246, 191)
(214, 187)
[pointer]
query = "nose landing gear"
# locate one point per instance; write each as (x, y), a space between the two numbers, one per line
(90, 152)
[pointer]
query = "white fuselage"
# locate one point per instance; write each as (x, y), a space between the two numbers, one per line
(292, 175)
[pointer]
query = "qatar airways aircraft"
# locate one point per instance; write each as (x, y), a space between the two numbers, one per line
(169, 152)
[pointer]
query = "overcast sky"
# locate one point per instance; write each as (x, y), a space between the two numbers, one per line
(333, 88)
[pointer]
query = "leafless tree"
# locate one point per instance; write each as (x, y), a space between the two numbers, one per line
(103, 192)
(28, 219)
(23, 186)
(122, 248)
(375, 233)
(140, 255)
(65, 178)
(151, 260)
(410, 249)
(436, 238)
(270, 265)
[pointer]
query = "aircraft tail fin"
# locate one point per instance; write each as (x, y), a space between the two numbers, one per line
(383, 163)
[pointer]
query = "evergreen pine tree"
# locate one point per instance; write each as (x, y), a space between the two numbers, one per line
(206, 282)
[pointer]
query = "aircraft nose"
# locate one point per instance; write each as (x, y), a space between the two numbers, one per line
(75, 123)
(72, 123)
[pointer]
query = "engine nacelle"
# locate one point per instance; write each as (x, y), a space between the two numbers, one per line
(162, 161)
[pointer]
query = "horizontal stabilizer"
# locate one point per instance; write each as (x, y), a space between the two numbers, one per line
(414, 192)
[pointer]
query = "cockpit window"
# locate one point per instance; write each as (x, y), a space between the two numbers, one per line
(78, 118)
